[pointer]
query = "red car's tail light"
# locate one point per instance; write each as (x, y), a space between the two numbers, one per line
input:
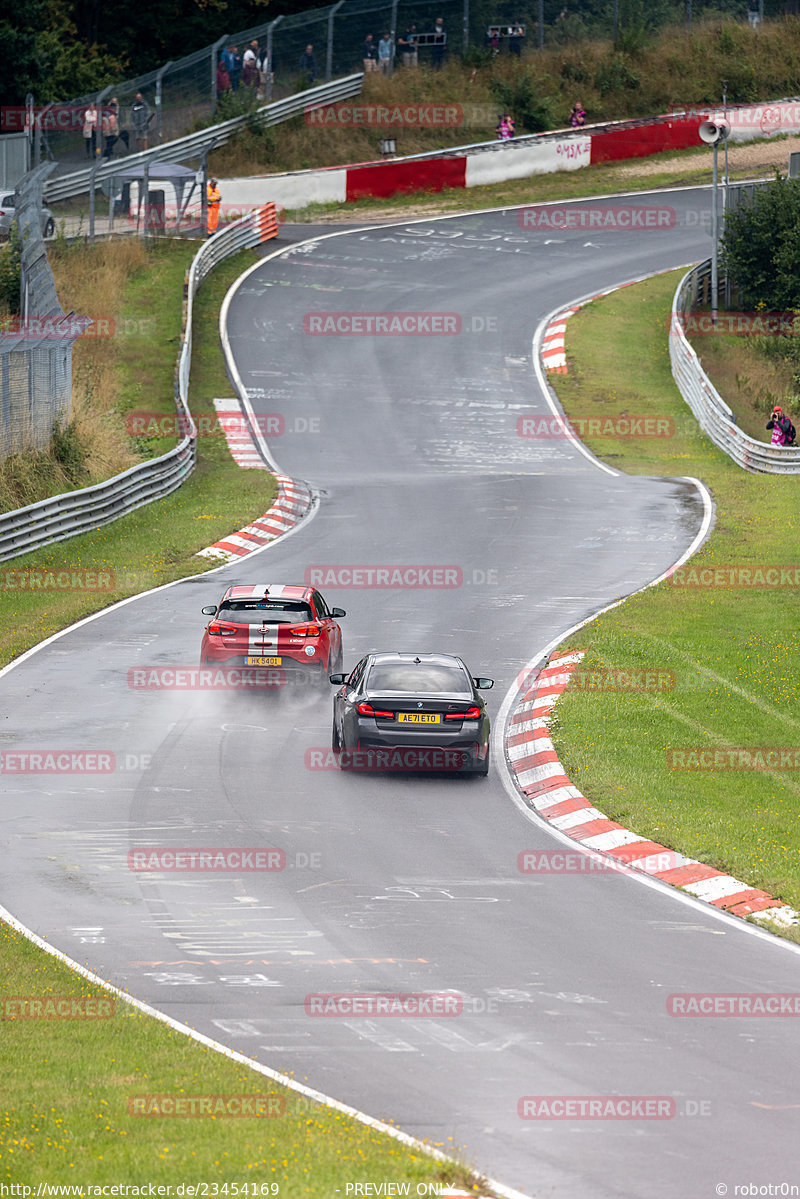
(368, 710)
(470, 714)
(305, 630)
(218, 629)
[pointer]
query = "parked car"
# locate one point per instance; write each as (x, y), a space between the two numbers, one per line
(8, 212)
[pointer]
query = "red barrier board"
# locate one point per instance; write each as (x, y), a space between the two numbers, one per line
(390, 178)
(614, 145)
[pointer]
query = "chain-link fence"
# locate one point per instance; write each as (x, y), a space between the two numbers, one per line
(180, 97)
(36, 346)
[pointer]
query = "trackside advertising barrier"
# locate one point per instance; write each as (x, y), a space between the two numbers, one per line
(495, 162)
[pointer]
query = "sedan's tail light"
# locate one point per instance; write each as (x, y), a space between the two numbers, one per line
(470, 714)
(368, 710)
(218, 629)
(305, 630)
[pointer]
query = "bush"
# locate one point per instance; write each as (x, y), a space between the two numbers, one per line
(761, 247)
(10, 272)
(532, 112)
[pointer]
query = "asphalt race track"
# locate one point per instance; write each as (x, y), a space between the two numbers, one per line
(408, 884)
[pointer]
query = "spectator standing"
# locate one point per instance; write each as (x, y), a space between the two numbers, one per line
(370, 55)
(90, 131)
(408, 47)
(109, 128)
(493, 38)
(385, 54)
(266, 67)
(515, 36)
(249, 73)
(308, 63)
(257, 57)
(577, 116)
(235, 67)
(141, 117)
(213, 201)
(223, 79)
(439, 44)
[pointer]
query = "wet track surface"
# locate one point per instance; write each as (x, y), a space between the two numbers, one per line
(397, 884)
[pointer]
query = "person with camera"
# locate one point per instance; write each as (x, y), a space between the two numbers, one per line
(783, 431)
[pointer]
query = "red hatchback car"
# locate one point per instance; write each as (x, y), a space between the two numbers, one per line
(277, 627)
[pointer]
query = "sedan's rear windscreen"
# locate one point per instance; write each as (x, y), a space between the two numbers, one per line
(270, 611)
(413, 679)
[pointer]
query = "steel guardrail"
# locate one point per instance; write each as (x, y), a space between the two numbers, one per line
(64, 187)
(67, 515)
(713, 415)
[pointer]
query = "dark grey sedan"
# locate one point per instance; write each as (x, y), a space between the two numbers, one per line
(411, 712)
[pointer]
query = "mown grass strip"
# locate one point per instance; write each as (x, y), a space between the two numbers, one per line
(158, 542)
(71, 1086)
(732, 648)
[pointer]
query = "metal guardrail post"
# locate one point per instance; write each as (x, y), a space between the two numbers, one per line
(215, 49)
(329, 55)
(269, 71)
(159, 78)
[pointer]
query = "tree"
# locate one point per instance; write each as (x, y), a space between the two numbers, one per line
(761, 247)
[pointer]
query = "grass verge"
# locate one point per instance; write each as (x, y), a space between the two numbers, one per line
(68, 1086)
(732, 649)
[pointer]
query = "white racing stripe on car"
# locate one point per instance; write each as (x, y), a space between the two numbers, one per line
(265, 638)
